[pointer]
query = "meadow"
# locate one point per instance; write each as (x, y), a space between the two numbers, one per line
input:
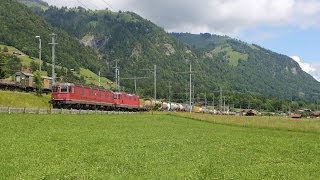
(158, 146)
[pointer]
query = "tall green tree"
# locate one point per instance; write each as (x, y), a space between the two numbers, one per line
(2, 66)
(38, 82)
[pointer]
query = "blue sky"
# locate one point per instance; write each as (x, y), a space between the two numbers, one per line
(287, 40)
(291, 41)
(290, 27)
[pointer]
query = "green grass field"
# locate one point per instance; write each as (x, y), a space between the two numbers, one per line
(145, 146)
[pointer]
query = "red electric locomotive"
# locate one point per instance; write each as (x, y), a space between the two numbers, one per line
(126, 101)
(69, 95)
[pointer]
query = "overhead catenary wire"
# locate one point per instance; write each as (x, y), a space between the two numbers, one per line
(88, 3)
(135, 81)
(92, 4)
(84, 6)
(108, 4)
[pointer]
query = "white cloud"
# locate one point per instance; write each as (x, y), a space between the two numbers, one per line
(316, 73)
(304, 66)
(215, 16)
(311, 69)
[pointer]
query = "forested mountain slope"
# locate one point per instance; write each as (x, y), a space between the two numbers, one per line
(19, 26)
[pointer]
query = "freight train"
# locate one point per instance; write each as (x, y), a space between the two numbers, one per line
(76, 96)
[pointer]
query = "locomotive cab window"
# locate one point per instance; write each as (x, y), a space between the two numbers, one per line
(55, 89)
(116, 96)
(64, 89)
(70, 89)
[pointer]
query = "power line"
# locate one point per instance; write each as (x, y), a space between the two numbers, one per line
(190, 72)
(154, 71)
(92, 4)
(135, 81)
(84, 6)
(108, 5)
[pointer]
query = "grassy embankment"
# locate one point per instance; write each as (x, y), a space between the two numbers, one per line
(151, 147)
(23, 100)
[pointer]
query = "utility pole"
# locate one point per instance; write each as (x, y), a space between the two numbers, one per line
(213, 101)
(190, 85)
(154, 71)
(220, 103)
(135, 84)
(99, 77)
(190, 72)
(169, 92)
(53, 43)
(205, 99)
(155, 82)
(193, 93)
(39, 52)
(117, 75)
(224, 104)
(118, 78)
(187, 92)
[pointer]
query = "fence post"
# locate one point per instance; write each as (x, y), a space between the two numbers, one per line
(9, 110)
(24, 110)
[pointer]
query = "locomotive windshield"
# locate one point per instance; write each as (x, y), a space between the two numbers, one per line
(55, 89)
(64, 89)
